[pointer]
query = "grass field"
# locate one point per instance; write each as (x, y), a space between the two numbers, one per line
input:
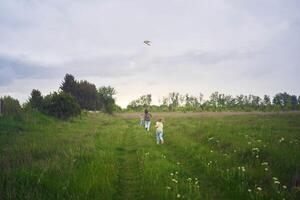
(97, 156)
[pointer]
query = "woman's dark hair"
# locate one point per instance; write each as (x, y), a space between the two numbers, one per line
(146, 111)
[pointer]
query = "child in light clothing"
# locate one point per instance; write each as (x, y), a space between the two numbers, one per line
(159, 132)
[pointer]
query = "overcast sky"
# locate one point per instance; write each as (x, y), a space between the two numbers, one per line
(230, 46)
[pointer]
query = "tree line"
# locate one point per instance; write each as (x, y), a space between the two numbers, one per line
(175, 101)
(72, 97)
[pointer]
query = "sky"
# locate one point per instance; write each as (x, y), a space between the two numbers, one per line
(198, 46)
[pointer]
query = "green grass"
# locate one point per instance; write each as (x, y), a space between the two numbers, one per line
(99, 156)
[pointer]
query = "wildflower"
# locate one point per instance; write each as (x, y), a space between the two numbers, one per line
(174, 180)
(234, 150)
(249, 143)
(189, 179)
(284, 187)
(259, 188)
(258, 140)
(264, 163)
(243, 169)
(178, 163)
(211, 138)
(277, 182)
(168, 188)
(249, 190)
(211, 151)
(178, 196)
(275, 179)
(257, 156)
(196, 183)
(172, 174)
(266, 169)
(176, 172)
(255, 149)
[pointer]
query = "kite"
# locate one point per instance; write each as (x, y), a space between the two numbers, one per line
(147, 42)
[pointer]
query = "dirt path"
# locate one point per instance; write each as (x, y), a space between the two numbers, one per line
(128, 166)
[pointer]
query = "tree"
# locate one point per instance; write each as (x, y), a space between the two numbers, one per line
(69, 85)
(10, 107)
(86, 95)
(36, 100)
(105, 99)
(61, 105)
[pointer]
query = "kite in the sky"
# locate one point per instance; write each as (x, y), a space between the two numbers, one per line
(147, 42)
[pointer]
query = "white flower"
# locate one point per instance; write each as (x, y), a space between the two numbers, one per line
(259, 188)
(172, 174)
(168, 188)
(266, 169)
(277, 182)
(275, 179)
(249, 190)
(265, 163)
(178, 196)
(284, 187)
(174, 180)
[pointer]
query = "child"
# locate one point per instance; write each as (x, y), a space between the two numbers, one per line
(159, 131)
(141, 120)
(147, 120)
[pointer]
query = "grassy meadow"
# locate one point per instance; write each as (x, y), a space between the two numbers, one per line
(99, 156)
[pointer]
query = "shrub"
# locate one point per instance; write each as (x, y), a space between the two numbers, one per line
(10, 107)
(61, 105)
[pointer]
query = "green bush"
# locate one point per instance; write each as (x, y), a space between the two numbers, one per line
(10, 107)
(61, 105)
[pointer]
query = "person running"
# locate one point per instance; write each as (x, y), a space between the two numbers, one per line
(159, 131)
(147, 119)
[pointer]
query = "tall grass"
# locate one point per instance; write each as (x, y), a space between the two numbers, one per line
(100, 156)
